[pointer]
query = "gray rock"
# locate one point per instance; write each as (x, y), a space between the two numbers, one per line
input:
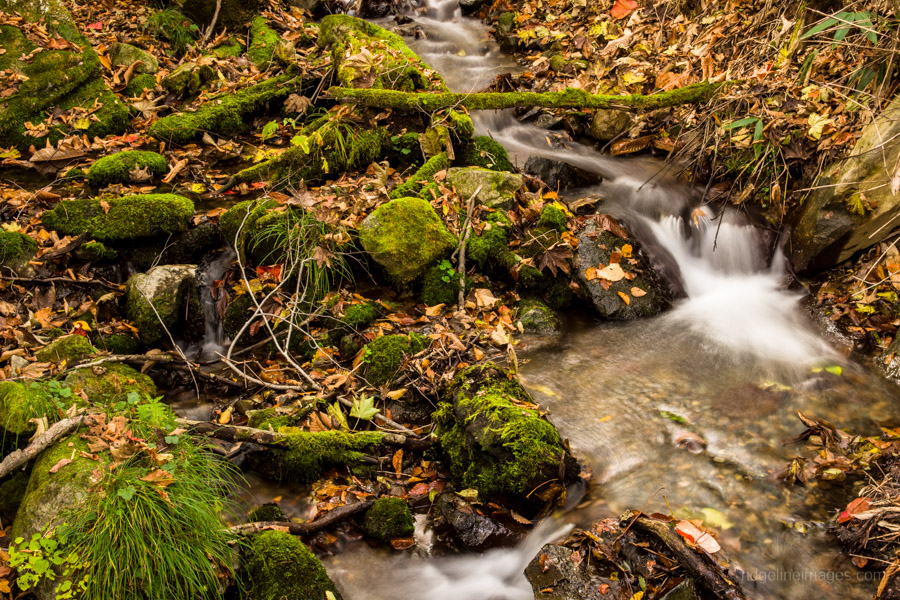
(557, 174)
(553, 575)
(538, 318)
(607, 124)
(159, 300)
(851, 207)
(476, 531)
(498, 188)
(125, 55)
(594, 251)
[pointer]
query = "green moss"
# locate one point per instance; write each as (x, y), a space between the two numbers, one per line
(121, 343)
(461, 124)
(308, 456)
(128, 218)
(138, 84)
(389, 518)
(486, 153)
(16, 249)
(555, 291)
(116, 168)
(112, 116)
(384, 356)
(440, 284)
(69, 348)
(263, 40)
(360, 316)
(75, 173)
(266, 513)
(238, 313)
(20, 402)
(230, 48)
(553, 217)
(423, 176)
(270, 418)
(405, 236)
(95, 251)
(110, 382)
(489, 249)
(226, 114)
(492, 443)
(537, 317)
(279, 566)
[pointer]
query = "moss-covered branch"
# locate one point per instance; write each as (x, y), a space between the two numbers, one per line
(569, 98)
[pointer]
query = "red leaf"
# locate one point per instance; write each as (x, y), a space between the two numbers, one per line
(623, 8)
(98, 25)
(858, 505)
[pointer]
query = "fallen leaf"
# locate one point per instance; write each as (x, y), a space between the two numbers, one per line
(484, 298)
(397, 461)
(611, 272)
(624, 297)
(697, 536)
(856, 506)
(622, 8)
(637, 292)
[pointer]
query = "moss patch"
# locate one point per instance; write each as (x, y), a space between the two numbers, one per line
(553, 217)
(270, 417)
(277, 566)
(385, 356)
(440, 284)
(486, 153)
(309, 455)
(69, 348)
(406, 236)
(110, 382)
(20, 402)
(267, 512)
(121, 343)
(422, 177)
(128, 218)
(95, 251)
(388, 518)
(263, 40)
(117, 168)
(16, 249)
(360, 316)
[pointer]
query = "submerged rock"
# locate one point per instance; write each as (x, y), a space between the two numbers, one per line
(498, 188)
(405, 236)
(160, 300)
(851, 207)
(618, 289)
(121, 219)
(496, 443)
(558, 176)
(277, 565)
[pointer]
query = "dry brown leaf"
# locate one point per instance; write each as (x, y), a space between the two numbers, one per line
(62, 463)
(637, 292)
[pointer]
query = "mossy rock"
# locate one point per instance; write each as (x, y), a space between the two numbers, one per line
(120, 343)
(117, 168)
(486, 153)
(230, 48)
(95, 251)
(267, 513)
(226, 114)
(70, 348)
(553, 217)
(238, 312)
(20, 402)
(159, 300)
(12, 491)
(497, 188)
(110, 382)
(128, 218)
(405, 236)
(493, 443)
(126, 55)
(16, 249)
(489, 249)
(537, 317)
(278, 566)
(308, 456)
(384, 356)
(360, 316)
(441, 285)
(233, 14)
(263, 43)
(270, 418)
(189, 79)
(138, 84)
(388, 519)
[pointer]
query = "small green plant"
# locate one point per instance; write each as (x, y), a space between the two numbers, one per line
(845, 22)
(174, 27)
(447, 271)
(45, 557)
(363, 408)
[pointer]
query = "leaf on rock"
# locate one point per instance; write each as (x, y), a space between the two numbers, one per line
(611, 272)
(607, 223)
(702, 539)
(556, 258)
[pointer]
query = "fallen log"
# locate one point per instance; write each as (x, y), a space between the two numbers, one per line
(569, 98)
(333, 517)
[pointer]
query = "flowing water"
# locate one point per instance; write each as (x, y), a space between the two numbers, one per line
(690, 410)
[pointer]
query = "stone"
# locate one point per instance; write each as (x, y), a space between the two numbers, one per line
(16, 250)
(406, 236)
(890, 362)
(188, 79)
(125, 55)
(538, 318)
(594, 251)
(476, 531)
(608, 124)
(168, 289)
(470, 7)
(555, 576)
(559, 176)
(497, 191)
(278, 565)
(851, 207)
(233, 14)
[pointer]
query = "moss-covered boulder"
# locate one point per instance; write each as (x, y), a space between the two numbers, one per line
(233, 14)
(405, 236)
(267, 512)
(140, 61)
(121, 219)
(422, 177)
(498, 188)
(388, 519)
(69, 348)
(350, 40)
(161, 300)
(126, 167)
(12, 491)
(613, 295)
(110, 382)
(441, 284)
(494, 442)
(307, 456)
(553, 217)
(277, 566)
(19, 403)
(536, 317)
(54, 81)
(384, 356)
(188, 79)
(226, 114)
(16, 250)
(486, 153)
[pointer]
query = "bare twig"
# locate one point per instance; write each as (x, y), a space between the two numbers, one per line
(467, 230)
(333, 517)
(56, 432)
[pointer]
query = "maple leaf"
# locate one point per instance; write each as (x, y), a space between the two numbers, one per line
(556, 257)
(607, 223)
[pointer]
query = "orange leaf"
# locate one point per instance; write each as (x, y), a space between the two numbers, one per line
(105, 206)
(637, 292)
(625, 298)
(623, 8)
(697, 536)
(858, 505)
(397, 461)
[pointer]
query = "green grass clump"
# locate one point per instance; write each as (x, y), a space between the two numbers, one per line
(388, 518)
(384, 356)
(172, 25)
(117, 168)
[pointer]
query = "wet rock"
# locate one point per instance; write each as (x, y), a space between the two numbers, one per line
(557, 174)
(851, 207)
(405, 236)
(180, 249)
(188, 79)
(16, 250)
(538, 318)
(550, 121)
(890, 362)
(279, 565)
(607, 124)
(554, 575)
(375, 9)
(611, 293)
(126, 55)
(470, 7)
(158, 300)
(473, 529)
(498, 188)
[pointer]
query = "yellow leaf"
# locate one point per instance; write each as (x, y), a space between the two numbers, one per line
(225, 417)
(627, 250)
(396, 394)
(625, 298)
(817, 123)
(198, 188)
(104, 60)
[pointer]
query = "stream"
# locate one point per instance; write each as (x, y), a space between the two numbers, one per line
(691, 411)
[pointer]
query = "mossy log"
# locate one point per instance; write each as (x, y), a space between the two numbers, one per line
(568, 98)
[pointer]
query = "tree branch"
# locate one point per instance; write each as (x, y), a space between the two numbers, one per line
(56, 432)
(333, 517)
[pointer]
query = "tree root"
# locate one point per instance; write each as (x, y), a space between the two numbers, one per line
(569, 98)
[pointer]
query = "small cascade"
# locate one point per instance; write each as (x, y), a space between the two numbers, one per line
(214, 335)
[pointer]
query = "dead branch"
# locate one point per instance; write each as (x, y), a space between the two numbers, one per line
(333, 517)
(56, 432)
